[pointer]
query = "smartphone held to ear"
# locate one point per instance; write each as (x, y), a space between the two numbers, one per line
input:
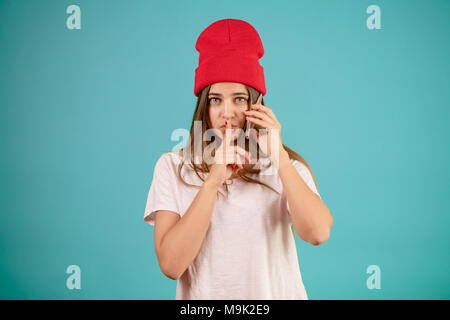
(251, 125)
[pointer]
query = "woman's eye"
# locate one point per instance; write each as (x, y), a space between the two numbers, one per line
(239, 100)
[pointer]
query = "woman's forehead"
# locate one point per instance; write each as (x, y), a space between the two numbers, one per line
(228, 87)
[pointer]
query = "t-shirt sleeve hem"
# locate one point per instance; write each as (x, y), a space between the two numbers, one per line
(307, 178)
(150, 214)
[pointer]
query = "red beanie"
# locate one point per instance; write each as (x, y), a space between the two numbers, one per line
(229, 52)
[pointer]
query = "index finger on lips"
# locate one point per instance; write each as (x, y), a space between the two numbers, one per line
(231, 134)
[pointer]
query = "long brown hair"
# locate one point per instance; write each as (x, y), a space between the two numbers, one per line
(201, 114)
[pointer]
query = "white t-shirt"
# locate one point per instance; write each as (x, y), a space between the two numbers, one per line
(249, 251)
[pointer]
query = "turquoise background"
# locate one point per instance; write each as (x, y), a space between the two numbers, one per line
(85, 114)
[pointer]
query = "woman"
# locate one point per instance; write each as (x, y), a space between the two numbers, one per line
(223, 222)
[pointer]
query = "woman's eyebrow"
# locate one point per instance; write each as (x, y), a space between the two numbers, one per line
(233, 94)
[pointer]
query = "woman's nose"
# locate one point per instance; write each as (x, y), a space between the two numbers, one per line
(227, 109)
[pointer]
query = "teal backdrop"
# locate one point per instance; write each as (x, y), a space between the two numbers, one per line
(85, 113)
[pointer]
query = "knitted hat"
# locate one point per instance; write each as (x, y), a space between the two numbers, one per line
(229, 52)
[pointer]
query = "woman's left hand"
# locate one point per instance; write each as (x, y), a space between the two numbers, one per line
(271, 141)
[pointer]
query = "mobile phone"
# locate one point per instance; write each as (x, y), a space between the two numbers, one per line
(250, 124)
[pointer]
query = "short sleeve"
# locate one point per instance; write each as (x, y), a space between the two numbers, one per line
(163, 193)
(306, 176)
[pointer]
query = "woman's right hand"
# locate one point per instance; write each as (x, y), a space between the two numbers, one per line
(223, 168)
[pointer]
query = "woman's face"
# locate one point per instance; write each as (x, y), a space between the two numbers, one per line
(227, 101)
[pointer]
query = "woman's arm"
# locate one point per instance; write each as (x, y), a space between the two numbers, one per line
(181, 244)
(311, 217)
